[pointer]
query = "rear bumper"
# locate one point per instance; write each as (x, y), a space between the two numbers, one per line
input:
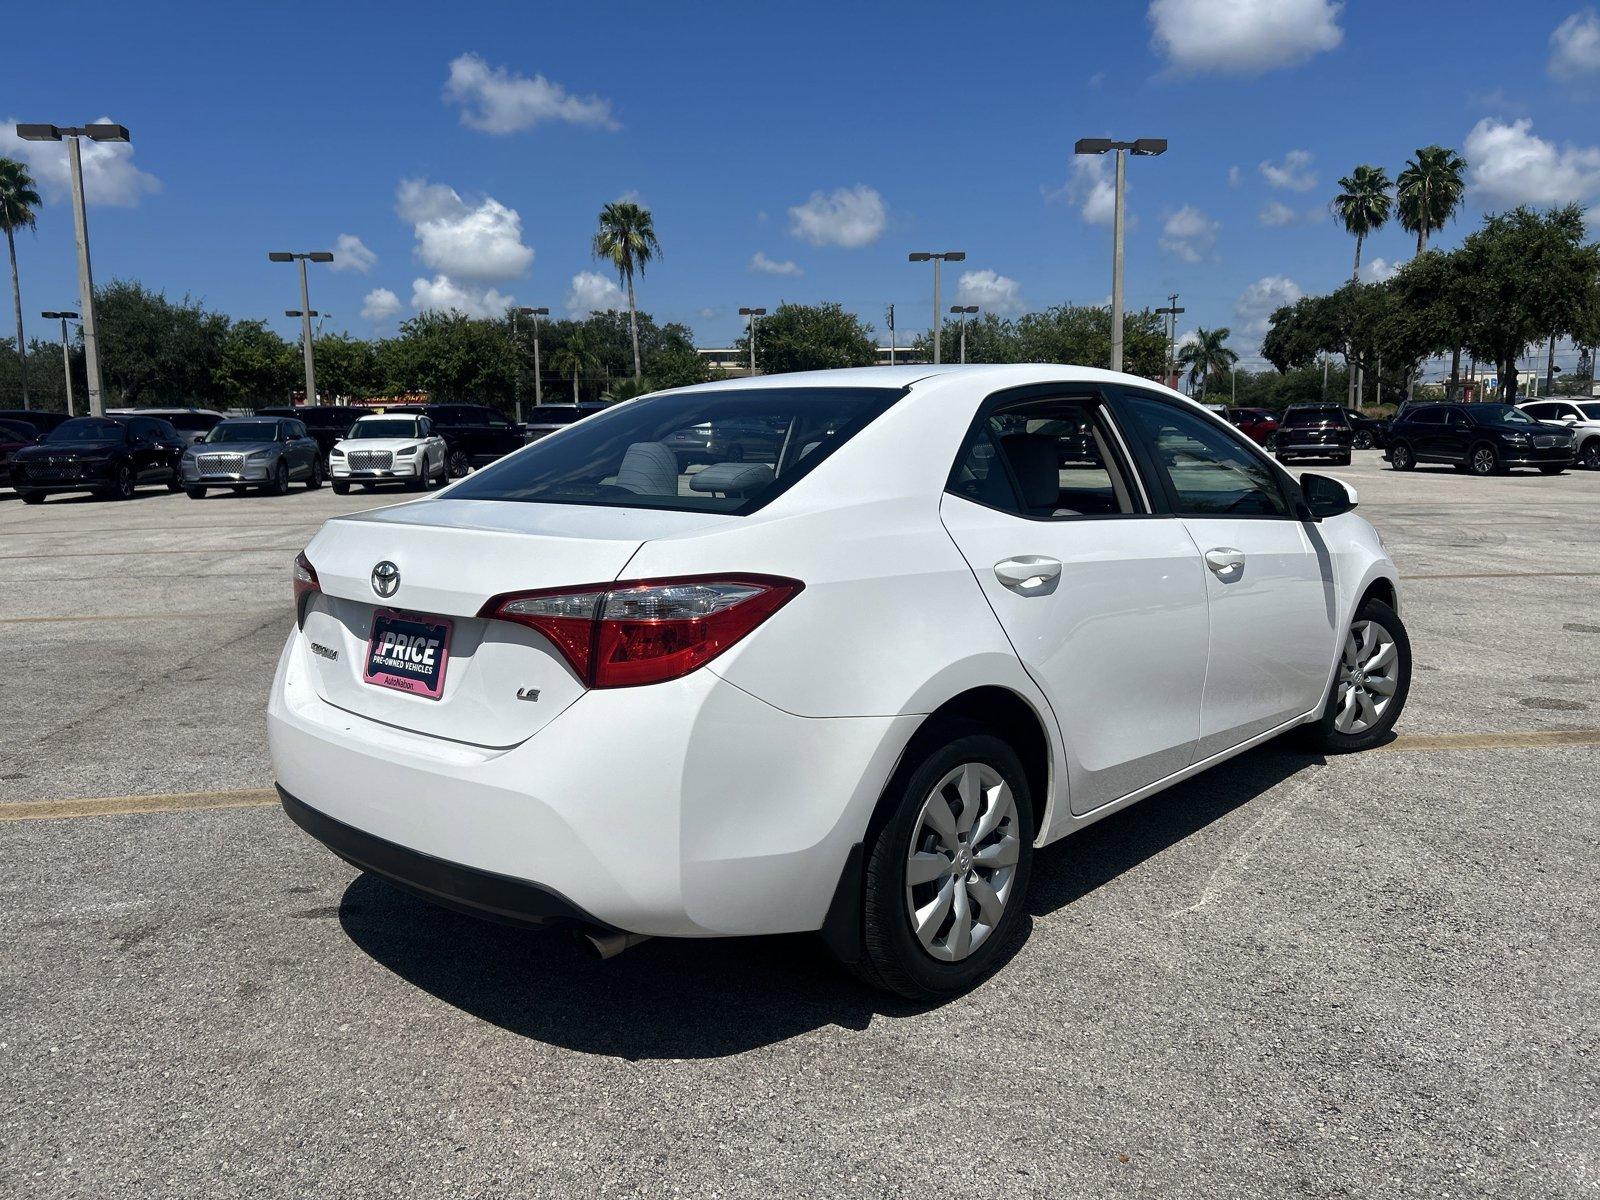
(1326, 449)
(688, 808)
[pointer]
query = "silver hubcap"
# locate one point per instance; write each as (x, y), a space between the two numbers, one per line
(1369, 672)
(1483, 461)
(963, 861)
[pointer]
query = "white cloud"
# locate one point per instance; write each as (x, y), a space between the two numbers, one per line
(380, 304)
(762, 265)
(1378, 269)
(1244, 37)
(990, 291)
(495, 100)
(1294, 172)
(844, 217)
(1092, 186)
(1276, 215)
(1235, 178)
(443, 294)
(593, 292)
(481, 241)
(1575, 47)
(1189, 234)
(109, 176)
(1512, 166)
(350, 253)
(1256, 303)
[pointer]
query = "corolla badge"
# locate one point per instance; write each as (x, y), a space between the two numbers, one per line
(386, 579)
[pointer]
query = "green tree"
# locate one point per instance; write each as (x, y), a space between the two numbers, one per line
(1207, 357)
(1428, 191)
(1530, 276)
(346, 366)
(450, 356)
(18, 202)
(675, 363)
(578, 356)
(156, 351)
(810, 337)
(1363, 205)
(627, 239)
(256, 367)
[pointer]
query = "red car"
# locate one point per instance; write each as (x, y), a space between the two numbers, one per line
(1258, 424)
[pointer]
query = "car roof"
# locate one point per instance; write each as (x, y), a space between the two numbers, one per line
(981, 374)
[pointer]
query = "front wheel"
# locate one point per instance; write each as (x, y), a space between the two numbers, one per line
(1589, 456)
(947, 868)
(1484, 460)
(1370, 684)
(1401, 458)
(196, 493)
(32, 497)
(1343, 460)
(1364, 440)
(280, 480)
(122, 483)
(1553, 469)
(340, 488)
(314, 480)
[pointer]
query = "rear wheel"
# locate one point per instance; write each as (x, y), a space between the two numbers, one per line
(174, 484)
(314, 480)
(1589, 456)
(1364, 440)
(1401, 458)
(1483, 459)
(196, 493)
(947, 870)
(458, 464)
(1370, 684)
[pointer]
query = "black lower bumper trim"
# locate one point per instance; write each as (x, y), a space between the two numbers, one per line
(451, 885)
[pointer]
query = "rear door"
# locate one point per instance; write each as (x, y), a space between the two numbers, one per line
(501, 437)
(1269, 585)
(1102, 597)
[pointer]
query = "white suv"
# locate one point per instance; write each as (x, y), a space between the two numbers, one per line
(389, 448)
(1580, 416)
(845, 682)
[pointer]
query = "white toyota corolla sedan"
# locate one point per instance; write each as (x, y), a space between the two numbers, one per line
(849, 681)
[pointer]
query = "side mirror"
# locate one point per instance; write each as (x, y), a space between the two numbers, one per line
(1327, 496)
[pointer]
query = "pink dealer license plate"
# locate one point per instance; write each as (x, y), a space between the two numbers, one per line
(408, 653)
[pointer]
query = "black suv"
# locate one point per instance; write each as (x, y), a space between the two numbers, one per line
(1485, 439)
(1370, 431)
(109, 456)
(1315, 431)
(326, 423)
(550, 418)
(474, 435)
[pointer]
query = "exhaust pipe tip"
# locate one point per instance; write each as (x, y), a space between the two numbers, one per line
(608, 943)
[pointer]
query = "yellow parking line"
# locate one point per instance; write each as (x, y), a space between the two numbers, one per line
(107, 806)
(1494, 741)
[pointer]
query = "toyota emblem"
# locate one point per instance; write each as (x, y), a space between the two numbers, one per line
(386, 579)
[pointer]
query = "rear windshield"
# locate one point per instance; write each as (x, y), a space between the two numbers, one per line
(193, 422)
(1316, 416)
(725, 451)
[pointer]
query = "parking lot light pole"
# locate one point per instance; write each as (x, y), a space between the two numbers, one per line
(1171, 312)
(751, 314)
(516, 377)
(66, 354)
(1142, 146)
(304, 311)
(937, 259)
(965, 311)
(80, 225)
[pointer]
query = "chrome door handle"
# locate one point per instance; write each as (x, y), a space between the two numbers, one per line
(1225, 560)
(1027, 571)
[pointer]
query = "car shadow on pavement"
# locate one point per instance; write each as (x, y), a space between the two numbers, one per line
(709, 998)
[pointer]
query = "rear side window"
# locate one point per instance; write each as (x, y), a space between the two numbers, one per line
(1207, 470)
(629, 456)
(1426, 416)
(1052, 459)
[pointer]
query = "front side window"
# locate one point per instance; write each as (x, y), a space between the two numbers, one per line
(632, 457)
(1208, 472)
(1051, 459)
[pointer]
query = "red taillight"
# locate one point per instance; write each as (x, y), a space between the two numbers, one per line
(305, 584)
(650, 630)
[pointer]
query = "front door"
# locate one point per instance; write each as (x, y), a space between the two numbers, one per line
(1103, 600)
(1269, 581)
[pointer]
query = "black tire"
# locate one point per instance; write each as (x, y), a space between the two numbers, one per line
(1271, 444)
(196, 493)
(892, 957)
(457, 464)
(1484, 459)
(1343, 460)
(314, 480)
(31, 497)
(1401, 458)
(1364, 440)
(123, 483)
(1589, 455)
(280, 480)
(174, 484)
(340, 488)
(1323, 735)
(1553, 469)
(238, 489)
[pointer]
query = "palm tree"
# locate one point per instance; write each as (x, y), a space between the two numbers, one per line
(577, 357)
(627, 237)
(1207, 355)
(1363, 206)
(1429, 191)
(18, 199)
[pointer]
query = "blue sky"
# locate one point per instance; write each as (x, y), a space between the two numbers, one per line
(467, 149)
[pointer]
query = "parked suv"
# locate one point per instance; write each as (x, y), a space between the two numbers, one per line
(326, 423)
(42, 422)
(109, 456)
(264, 452)
(1580, 416)
(1315, 431)
(474, 435)
(1369, 431)
(192, 423)
(1485, 439)
(551, 418)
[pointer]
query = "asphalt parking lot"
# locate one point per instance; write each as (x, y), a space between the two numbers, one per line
(1371, 976)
